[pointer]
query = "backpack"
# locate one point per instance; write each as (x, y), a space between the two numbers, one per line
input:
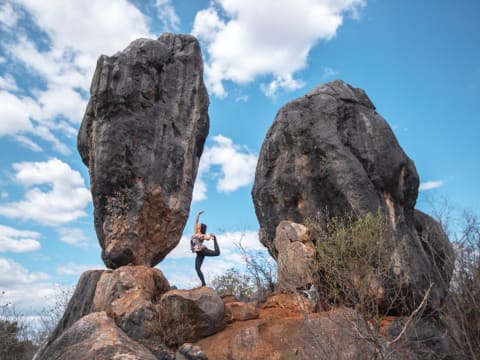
(195, 244)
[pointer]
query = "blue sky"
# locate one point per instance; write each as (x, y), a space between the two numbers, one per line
(418, 61)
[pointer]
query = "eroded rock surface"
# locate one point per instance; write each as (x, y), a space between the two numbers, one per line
(240, 311)
(331, 150)
(129, 296)
(188, 316)
(141, 137)
(94, 336)
(285, 333)
(296, 262)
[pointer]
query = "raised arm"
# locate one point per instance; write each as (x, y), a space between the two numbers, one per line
(195, 226)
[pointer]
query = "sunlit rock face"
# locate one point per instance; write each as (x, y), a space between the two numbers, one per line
(330, 149)
(142, 137)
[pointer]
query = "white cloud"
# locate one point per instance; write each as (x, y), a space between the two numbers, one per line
(80, 32)
(429, 185)
(63, 202)
(77, 34)
(18, 241)
(61, 100)
(241, 98)
(15, 114)
(18, 113)
(285, 83)
(4, 195)
(27, 291)
(329, 73)
(72, 269)
(8, 16)
(25, 141)
(167, 15)
(246, 39)
(199, 190)
(8, 82)
(75, 237)
(237, 166)
(14, 275)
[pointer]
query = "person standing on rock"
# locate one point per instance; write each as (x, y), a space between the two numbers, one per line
(197, 246)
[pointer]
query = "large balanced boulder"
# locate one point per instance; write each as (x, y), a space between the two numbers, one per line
(331, 150)
(141, 137)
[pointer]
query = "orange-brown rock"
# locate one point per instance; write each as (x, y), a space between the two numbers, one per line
(283, 334)
(295, 302)
(241, 311)
(228, 298)
(341, 333)
(129, 294)
(95, 336)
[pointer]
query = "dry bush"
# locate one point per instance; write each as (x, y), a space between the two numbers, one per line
(255, 283)
(462, 310)
(354, 268)
(353, 258)
(14, 342)
(262, 270)
(232, 282)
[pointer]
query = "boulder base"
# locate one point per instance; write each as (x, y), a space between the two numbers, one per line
(95, 336)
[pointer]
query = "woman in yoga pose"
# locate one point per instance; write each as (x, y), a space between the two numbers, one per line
(199, 247)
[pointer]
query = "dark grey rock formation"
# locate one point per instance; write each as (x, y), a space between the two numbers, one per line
(331, 150)
(141, 137)
(189, 315)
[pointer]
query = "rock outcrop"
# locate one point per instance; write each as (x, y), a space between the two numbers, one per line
(239, 311)
(188, 316)
(296, 261)
(129, 296)
(142, 137)
(95, 336)
(331, 150)
(293, 332)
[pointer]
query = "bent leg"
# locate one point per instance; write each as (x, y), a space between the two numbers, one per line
(215, 252)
